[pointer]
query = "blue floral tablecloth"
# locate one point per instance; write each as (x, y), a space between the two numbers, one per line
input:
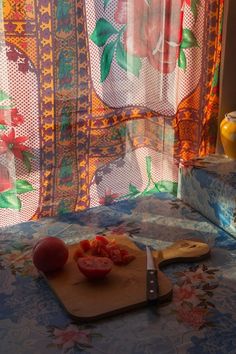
(201, 318)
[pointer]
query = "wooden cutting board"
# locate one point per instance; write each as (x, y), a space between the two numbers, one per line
(125, 286)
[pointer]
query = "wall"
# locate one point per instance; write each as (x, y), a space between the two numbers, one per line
(228, 66)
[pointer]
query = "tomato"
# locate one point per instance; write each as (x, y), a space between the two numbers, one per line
(94, 267)
(50, 254)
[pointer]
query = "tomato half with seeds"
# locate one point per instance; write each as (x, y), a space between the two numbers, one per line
(94, 267)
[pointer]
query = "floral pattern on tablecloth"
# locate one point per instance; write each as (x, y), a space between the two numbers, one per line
(200, 318)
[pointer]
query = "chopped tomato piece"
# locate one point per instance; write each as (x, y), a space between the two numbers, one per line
(104, 252)
(96, 247)
(124, 252)
(103, 239)
(101, 246)
(115, 256)
(78, 253)
(117, 260)
(94, 267)
(85, 245)
(112, 246)
(126, 259)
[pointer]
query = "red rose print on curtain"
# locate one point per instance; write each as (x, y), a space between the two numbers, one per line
(151, 29)
(154, 30)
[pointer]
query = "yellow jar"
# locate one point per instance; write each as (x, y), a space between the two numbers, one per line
(228, 134)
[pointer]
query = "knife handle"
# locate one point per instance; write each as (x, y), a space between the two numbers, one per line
(152, 285)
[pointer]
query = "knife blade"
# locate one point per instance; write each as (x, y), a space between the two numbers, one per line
(152, 279)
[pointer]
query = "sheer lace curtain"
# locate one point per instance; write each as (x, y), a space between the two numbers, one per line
(100, 99)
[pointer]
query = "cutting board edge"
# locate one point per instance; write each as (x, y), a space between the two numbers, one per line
(161, 300)
(121, 310)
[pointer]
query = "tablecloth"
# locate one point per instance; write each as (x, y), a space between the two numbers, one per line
(200, 318)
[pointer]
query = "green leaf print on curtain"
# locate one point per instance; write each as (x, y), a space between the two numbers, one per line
(103, 31)
(152, 186)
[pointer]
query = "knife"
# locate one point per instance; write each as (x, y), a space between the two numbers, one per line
(152, 280)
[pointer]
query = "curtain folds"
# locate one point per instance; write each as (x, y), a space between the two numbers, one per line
(100, 99)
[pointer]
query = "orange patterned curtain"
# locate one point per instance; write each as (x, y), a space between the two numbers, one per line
(100, 99)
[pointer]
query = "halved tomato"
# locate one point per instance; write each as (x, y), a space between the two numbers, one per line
(94, 267)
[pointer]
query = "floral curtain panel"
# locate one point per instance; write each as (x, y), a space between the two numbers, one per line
(100, 99)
